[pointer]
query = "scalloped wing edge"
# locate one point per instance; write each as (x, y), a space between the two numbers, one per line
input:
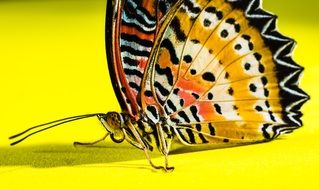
(289, 72)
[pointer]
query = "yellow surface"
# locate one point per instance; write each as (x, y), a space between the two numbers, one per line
(53, 65)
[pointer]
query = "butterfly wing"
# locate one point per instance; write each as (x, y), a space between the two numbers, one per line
(130, 34)
(220, 72)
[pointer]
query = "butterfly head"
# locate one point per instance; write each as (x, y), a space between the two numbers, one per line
(114, 124)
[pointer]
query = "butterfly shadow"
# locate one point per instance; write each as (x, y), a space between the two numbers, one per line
(60, 155)
(66, 155)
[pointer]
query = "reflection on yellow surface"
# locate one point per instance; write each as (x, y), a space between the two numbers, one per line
(53, 65)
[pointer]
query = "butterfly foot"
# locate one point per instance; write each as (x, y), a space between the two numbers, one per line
(164, 168)
(169, 169)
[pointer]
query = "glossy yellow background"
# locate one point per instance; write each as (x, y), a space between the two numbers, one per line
(53, 65)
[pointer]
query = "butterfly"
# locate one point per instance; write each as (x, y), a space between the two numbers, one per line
(197, 72)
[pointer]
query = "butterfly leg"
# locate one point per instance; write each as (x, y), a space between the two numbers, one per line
(91, 143)
(140, 144)
(165, 143)
(97, 141)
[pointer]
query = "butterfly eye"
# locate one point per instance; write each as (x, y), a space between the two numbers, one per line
(114, 121)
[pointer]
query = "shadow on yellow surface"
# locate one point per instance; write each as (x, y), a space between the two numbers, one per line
(59, 155)
(45, 156)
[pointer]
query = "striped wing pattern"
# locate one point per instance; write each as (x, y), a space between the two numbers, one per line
(137, 22)
(220, 72)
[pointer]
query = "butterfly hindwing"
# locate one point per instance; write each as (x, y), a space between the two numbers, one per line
(223, 67)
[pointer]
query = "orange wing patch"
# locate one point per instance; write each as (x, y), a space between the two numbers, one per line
(215, 75)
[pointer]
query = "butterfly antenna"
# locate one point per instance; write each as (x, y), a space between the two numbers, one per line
(50, 125)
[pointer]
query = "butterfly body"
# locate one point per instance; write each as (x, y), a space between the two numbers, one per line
(199, 72)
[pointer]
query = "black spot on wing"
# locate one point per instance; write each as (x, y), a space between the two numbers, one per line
(251, 46)
(181, 102)
(148, 93)
(183, 115)
(176, 26)
(253, 88)
(211, 9)
(247, 66)
(264, 80)
(220, 15)
(175, 120)
(166, 71)
(246, 37)
(237, 28)
(258, 56)
(230, 91)
(194, 113)
(191, 136)
(208, 76)
(171, 105)
(259, 108)
(161, 89)
(226, 140)
(167, 44)
(230, 21)
(224, 34)
(188, 59)
(210, 96)
(202, 138)
(211, 129)
(195, 41)
(175, 91)
(266, 92)
(226, 75)
(196, 96)
(191, 7)
(261, 68)
(198, 127)
(153, 111)
(207, 22)
(267, 104)
(218, 108)
(238, 47)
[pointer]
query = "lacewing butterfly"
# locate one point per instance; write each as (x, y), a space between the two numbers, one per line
(198, 71)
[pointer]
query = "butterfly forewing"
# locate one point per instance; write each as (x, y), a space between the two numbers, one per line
(217, 76)
(137, 22)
